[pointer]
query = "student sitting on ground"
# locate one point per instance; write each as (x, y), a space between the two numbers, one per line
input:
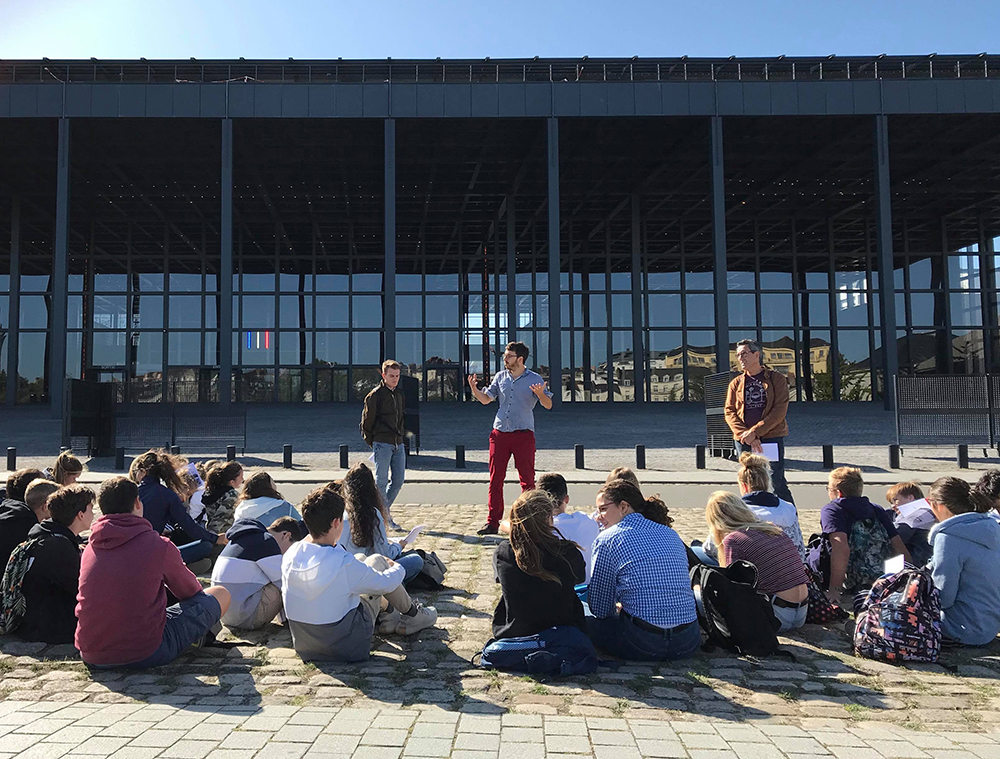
(575, 527)
(261, 500)
(640, 593)
(126, 570)
(52, 574)
(249, 567)
(781, 575)
(537, 571)
(364, 527)
(221, 493)
(861, 534)
(16, 517)
(966, 546)
(989, 486)
(914, 528)
(332, 599)
(67, 469)
(159, 486)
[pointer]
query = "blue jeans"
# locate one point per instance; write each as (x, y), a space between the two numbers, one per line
(412, 562)
(200, 550)
(779, 485)
(389, 459)
(622, 638)
(702, 556)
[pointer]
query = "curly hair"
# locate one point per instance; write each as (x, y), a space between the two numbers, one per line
(653, 508)
(220, 475)
(363, 500)
(532, 536)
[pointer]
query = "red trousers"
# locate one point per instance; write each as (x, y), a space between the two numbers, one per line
(521, 445)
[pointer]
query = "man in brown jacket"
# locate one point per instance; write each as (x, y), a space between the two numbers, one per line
(383, 428)
(756, 405)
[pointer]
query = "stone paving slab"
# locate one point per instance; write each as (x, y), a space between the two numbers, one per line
(418, 693)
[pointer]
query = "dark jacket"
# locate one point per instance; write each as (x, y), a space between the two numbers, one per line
(50, 585)
(529, 604)
(16, 520)
(161, 506)
(382, 421)
(773, 423)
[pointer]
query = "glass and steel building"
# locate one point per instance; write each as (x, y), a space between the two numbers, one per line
(238, 231)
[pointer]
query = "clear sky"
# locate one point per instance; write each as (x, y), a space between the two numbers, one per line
(477, 28)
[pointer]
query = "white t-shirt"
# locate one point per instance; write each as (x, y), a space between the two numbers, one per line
(582, 530)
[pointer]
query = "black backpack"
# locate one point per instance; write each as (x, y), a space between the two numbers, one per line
(732, 612)
(818, 559)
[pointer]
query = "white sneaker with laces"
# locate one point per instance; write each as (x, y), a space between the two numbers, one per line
(387, 622)
(425, 617)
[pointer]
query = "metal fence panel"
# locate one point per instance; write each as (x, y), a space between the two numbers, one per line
(718, 436)
(947, 409)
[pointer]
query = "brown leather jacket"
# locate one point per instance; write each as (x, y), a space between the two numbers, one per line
(772, 424)
(383, 419)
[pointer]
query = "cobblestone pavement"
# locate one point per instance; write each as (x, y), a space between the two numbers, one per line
(420, 696)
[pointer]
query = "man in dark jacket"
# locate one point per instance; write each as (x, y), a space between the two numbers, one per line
(382, 427)
(16, 518)
(51, 582)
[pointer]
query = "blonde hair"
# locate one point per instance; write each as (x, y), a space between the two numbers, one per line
(726, 513)
(623, 473)
(848, 480)
(754, 472)
(66, 463)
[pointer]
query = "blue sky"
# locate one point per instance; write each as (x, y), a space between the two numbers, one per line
(475, 29)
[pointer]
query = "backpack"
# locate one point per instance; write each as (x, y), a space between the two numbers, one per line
(732, 612)
(869, 544)
(12, 601)
(900, 619)
(560, 651)
(818, 559)
(431, 576)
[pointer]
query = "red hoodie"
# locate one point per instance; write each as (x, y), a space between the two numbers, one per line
(122, 602)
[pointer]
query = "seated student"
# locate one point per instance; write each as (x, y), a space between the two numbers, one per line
(914, 529)
(575, 527)
(67, 469)
(126, 570)
(221, 493)
(159, 486)
(861, 536)
(537, 571)
(966, 545)
(261, 500)
(781, 575)
(364, 527)
(16, 517)
(623, 473)
(249, 567)
(52, 578)
(640, 593)
(332, 599)
(989, 486)
(194, 489)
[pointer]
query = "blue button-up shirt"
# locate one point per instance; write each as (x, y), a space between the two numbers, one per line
(517, 402)
(643, 566)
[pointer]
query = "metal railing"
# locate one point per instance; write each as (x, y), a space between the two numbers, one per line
(781, 69)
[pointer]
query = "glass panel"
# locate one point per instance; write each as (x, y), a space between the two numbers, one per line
(900, 306)
(442, 348)
(367, 310)
(621, 310)
(778, 348)
(927, 309)
(664, 310)
(818, 280)
(742, 311)
(331, 385)
(621, 280)
(966, 309)
(442, 310)
(666, 366)
(854, 357)
(408, 311)
(74, 357)
(331, 348)
(258, 311)
(699, 275)
(295, 386)
(363, 379)
(109, 349)
(922, 276)
(814, 309)
(296, 310)
(191, 283)
(150, 314)
(969, 353)
(410, 353)
(623, 387)
(34, 283)
(148, 354)
(598, 307)
(185, 311)
(927, 352)
(295, 348)
(331, 283)
(776, 310)
(258, 348)
(211, 311)
(700, 350)
(597, 364)
(700, 311)
(110, 283)
(852, 306)
(963, 272)
(184, 349)
(296, 283)
(257, 283)
(817, 365)
(367, 348)
(664, 280)
(75, 283)
(741, 280)
(408, 283)
(74, 312)
(151, 283)
(211, 348)
(32, 367)
(775, 280)
(331, 311)
(371, 283)
(445, 283)
(110, 312)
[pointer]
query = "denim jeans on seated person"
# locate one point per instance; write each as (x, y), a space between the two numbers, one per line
(790, 619)
(703, 557)
(621, 637)
(196, 552)
(412, 562)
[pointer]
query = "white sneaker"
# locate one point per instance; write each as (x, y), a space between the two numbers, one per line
(387, 622)
(425, 617)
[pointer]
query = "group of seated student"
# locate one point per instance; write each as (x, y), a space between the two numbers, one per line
(335, 600)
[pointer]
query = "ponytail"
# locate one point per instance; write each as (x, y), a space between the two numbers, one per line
(959, 497)
(653, 508)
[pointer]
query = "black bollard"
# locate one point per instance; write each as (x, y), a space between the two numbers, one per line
(640, 457)
(894, 456)
(287, 456)
(11, 459)
(828, 457)
(699, 457)
(175, 450)
(230, 453)
(119, 459)
(963, 456)
(460, 457)
(579, 455)
(343, 457)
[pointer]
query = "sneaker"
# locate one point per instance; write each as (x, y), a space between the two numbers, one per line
(394, 526)
(488, 529)
(200, 567)
(387, 622)
(424, 618)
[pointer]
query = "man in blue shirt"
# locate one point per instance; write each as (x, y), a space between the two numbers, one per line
(518, 389)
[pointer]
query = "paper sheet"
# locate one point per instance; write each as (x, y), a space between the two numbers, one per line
(909, 509)
(917, 514)
(770, 450)
(412, 535)
(893, 565)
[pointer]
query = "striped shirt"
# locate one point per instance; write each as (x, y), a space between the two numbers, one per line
(643, 566)
(779, 566)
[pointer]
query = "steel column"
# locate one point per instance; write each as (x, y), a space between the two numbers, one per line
(60, 272)
(719, 246)
(14, 307)
(389, 275)
(883, 240)
(555, 313)
(638, 349)
(226, 268)
(512, 325)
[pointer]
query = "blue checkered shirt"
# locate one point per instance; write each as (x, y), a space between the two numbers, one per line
(643, 566)
(517, 401)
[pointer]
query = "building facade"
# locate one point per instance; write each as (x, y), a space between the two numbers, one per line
(270, 231)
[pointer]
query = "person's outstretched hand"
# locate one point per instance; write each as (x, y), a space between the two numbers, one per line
(539, 389)
(473, 380)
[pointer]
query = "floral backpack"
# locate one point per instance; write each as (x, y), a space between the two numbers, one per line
(869, 543)
(900, 619)
(12, 602)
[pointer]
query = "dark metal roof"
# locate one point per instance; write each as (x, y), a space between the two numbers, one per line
(779, 69)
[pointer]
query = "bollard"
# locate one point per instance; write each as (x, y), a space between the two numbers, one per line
(460, 457)
(119, 459)
(699, 457)
(11, 459)
(579, 455)
(894, 456)
(343, 457)
(175, 450)
(287, 456)
(640, 457)
(963, 456)
(230, 453)
(828, 457)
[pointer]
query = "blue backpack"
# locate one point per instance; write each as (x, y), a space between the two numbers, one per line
(560, 651)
